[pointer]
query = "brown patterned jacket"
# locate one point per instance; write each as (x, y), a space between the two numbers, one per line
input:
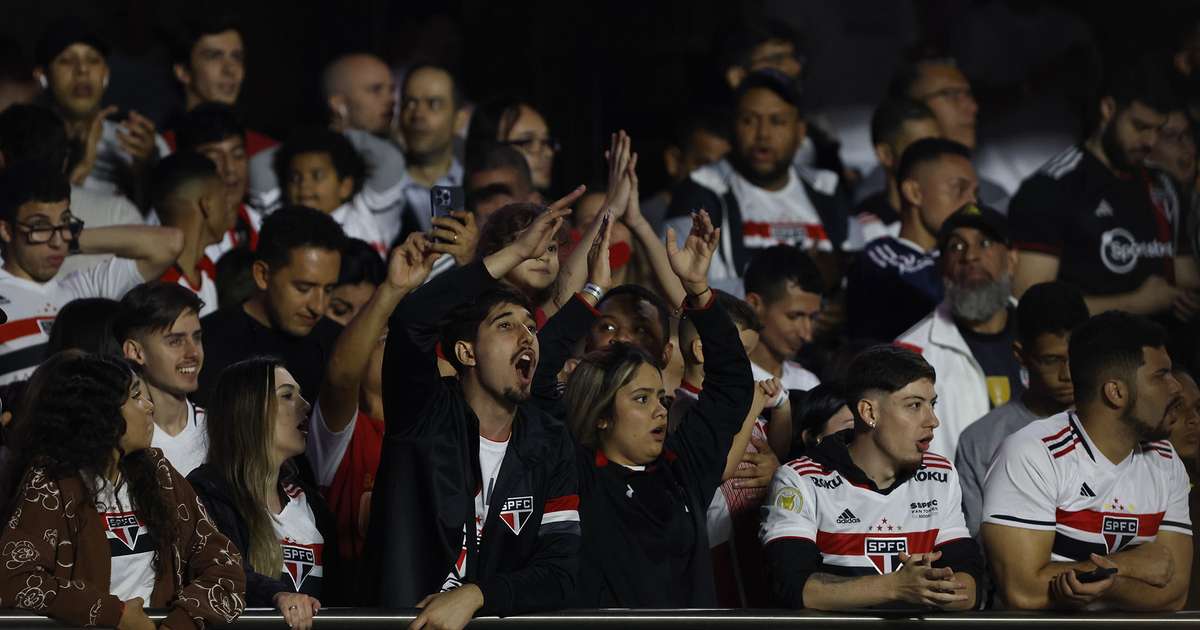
(55, 560)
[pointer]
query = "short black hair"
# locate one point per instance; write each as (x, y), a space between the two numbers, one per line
(361, 263)
(462, 323)
(927, 150)
(739, 45)
(235, 277)
(85, 324)
(345, 158)
(153, 306)
(739, 311)
(1110, 345)
(909, 73)
(884, 368)
(1050, 307)
(890, 116)
(773, 268)
(293, 227)
(33, 132)
(491, 156)
(205, 22)
(640, 292)
(811, 411)
(456, 94)
(176, 171)
(207, 123)
(31, 181)
(777, 82)
(711, 120)
(492, 120)
(1147, 80)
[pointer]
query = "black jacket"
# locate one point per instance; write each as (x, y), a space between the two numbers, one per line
(214, 491)
(429, 469)
(645, 538)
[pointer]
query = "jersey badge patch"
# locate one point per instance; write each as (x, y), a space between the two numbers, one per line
(516, 512)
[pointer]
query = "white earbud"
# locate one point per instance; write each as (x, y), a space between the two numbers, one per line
(342, 111)
(104, 83)
(43, 82)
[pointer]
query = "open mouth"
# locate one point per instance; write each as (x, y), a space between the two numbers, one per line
(659, 432)
(189, 370)
(923, 444)
(524, 365)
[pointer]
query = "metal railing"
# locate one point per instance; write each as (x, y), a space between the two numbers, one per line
(708, 619)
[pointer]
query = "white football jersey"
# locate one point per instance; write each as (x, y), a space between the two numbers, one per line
(857, 529)
(1049, 476)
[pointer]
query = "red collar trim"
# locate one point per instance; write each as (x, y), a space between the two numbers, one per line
(686, 386)
(601, 460)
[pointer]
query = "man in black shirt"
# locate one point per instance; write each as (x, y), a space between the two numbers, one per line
(1087, 216)
(295, 269)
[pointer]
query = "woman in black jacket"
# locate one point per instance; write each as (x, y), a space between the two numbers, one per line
(256, 424)
(643, 493)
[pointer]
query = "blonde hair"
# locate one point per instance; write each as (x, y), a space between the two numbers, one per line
(594, 384)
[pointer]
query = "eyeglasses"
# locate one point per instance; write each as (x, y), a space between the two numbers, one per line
(41, 233)
(532, 144)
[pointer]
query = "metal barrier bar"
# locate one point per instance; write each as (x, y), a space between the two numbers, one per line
(365, 618)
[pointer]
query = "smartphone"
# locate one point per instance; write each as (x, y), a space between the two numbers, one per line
(446, 199)
(1094, 575)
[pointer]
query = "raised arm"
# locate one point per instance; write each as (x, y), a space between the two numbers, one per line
(153, 248)
(408, 268)
(654, 248)
(385, 169)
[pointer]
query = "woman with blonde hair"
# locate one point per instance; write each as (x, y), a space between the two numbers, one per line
(258, 422)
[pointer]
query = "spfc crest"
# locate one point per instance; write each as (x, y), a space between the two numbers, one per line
(299, 562)
(516, 512)
(884, 553)
(1118, 532)
(124, 526)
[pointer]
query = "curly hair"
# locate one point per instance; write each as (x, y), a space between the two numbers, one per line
(73, 425)
(505, 226)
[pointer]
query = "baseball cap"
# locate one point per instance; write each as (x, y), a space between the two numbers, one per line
(768, 78)
(979, 217)
(64, 32)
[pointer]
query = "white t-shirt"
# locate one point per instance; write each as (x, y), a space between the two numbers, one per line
(357, 221)
(325, 448)
(303, 544)
(129, 542)
(98, 210)
(1050, 477)
(31, 308)
(781, 217)
(491, 455)
(112, 162)
(794, 376)
(206, 290)
(187, 450)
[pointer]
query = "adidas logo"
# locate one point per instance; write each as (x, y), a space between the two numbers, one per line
(847, 518)
(1104, 209)
(1085, 491)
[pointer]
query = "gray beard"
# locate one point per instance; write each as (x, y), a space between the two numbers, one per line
(976, 304)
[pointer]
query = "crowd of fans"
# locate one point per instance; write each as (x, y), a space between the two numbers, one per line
(383, 363)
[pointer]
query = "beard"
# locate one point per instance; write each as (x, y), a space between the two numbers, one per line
(761, 180)
(516, 395)
(1117, 156)
(978, 303)
(1149, 431)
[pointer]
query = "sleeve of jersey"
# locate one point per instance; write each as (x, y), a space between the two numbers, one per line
(959, 551)
(790, 511)
(110, 279)
(324, 448)
(1035, 216)
(1020, 487)
(1178, 518)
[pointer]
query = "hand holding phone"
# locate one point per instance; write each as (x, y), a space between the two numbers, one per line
(1095, 575)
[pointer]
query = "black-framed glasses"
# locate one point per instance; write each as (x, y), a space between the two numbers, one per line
(532, 144)
(42, 233)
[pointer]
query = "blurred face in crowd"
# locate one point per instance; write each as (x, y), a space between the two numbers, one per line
(911, 131)
(313, 181)
(493, 189)
(634, 434)
(1049, 370)
(947, 92)
(1175, 151)
(38, 261)
(505, 353)
(297, 295)
(428, 113)
(1154, 398)
(290, 418)
(364, 96)
(940, 187)
(630, 319)
(1185, 436)
(1129, 134)
(767, 130)
(787, 321)
(703, 147)
(348, 300)
(904, 422)
(171, 358)
(232, 165)
(215, 69)
(138, 412)
(774, 54)
(77, 78)
(531, 136)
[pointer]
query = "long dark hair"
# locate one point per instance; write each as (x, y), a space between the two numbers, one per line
(73, 423)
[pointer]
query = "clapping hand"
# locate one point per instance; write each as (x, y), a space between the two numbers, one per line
(411, 262)
(690, 263)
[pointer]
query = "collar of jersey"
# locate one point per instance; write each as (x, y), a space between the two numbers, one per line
(832, 452)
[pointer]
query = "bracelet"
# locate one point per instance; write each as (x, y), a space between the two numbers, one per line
(593, 290)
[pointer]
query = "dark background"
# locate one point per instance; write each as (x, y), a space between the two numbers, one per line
(595, 66)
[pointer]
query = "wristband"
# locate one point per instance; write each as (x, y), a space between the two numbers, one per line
(593, 290)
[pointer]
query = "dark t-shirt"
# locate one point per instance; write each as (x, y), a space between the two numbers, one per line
(995, 355)
(1108, 232)
(879, 206)
(230, 335)
(890, 286)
